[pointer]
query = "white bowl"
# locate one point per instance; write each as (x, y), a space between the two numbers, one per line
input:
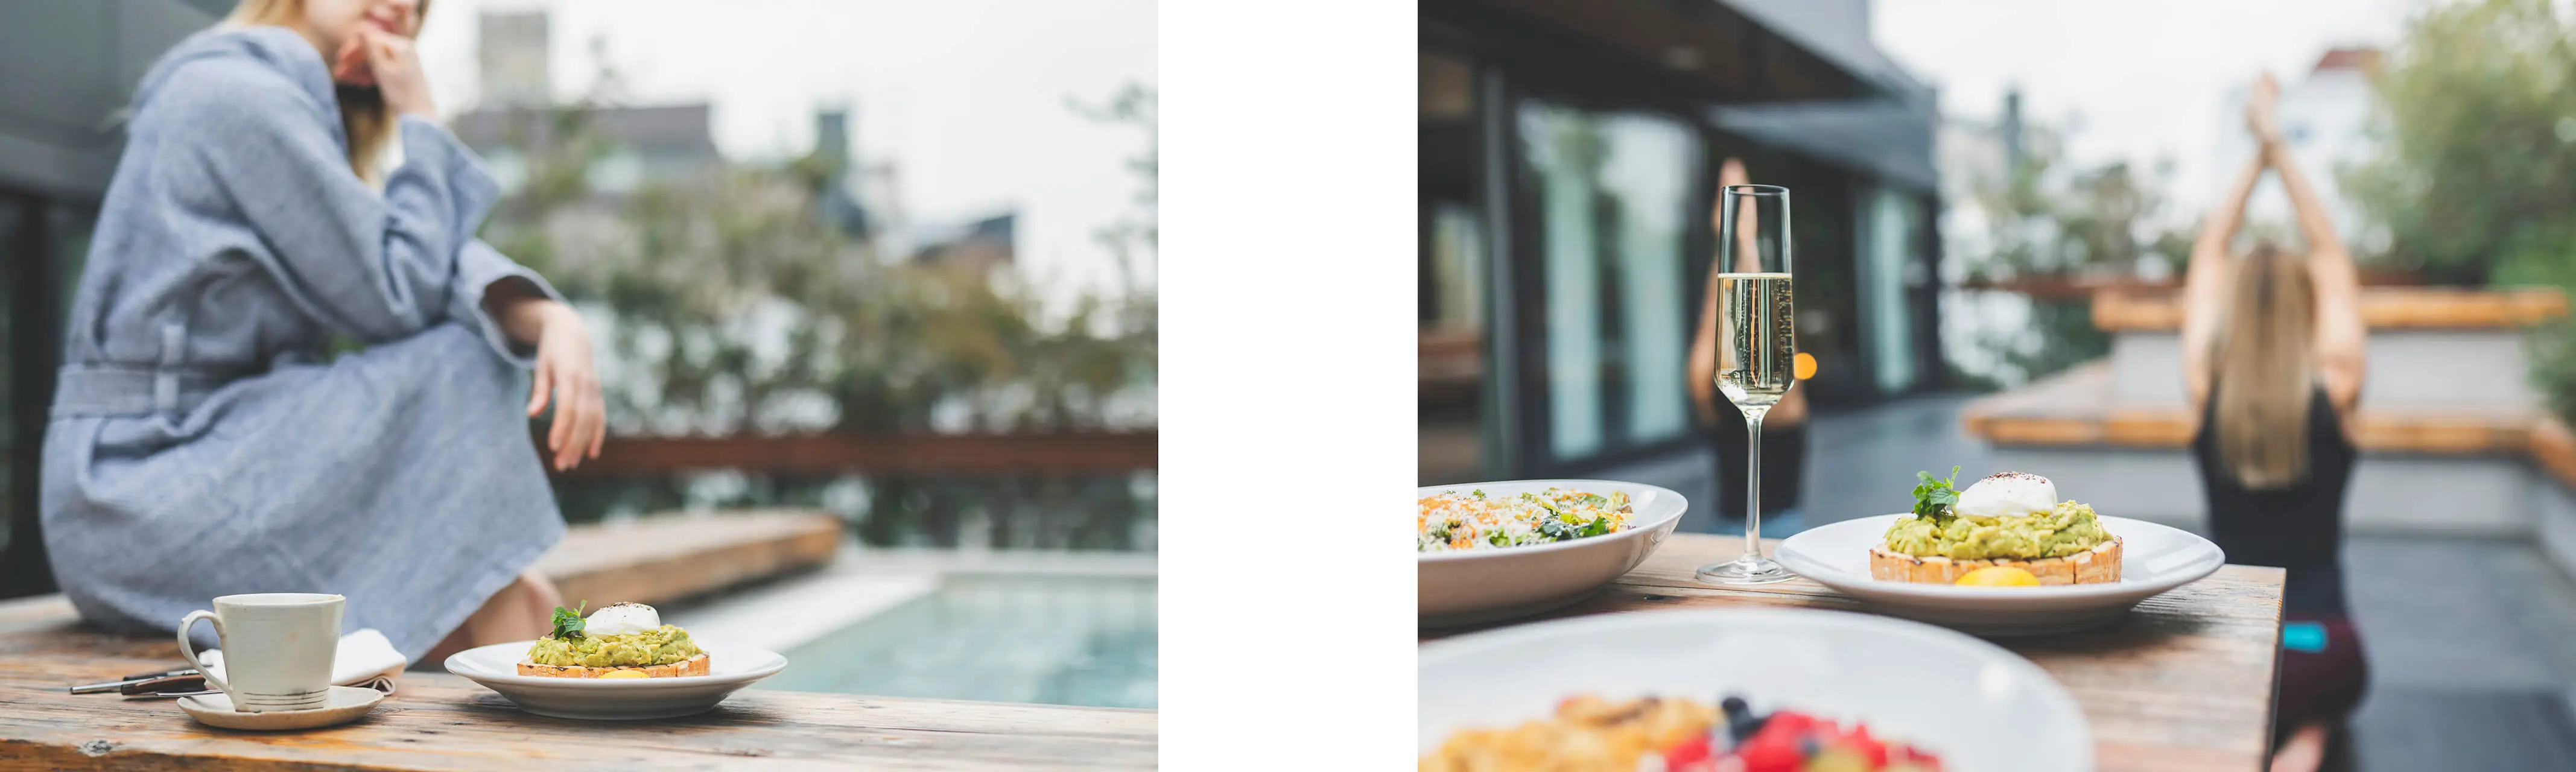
(1975, 705)
(2154, 558)
(729, 669)
(1470, 586)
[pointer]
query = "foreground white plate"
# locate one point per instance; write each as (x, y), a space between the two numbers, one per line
(1469, 586)
(496, 666)
(2155, 558)
(1976, 705)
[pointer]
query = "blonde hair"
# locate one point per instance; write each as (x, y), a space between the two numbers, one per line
(364, 116)
(2266, 362)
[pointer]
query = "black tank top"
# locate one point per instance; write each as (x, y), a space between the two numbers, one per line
(2299, 527)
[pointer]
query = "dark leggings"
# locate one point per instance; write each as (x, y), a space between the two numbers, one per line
(2321, 686)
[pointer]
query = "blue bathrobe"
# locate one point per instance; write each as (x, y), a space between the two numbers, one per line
(201, 444)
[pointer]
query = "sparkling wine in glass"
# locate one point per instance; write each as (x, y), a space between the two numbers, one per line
(1757, 349)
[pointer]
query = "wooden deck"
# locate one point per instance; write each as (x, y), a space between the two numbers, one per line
(2186, 683)
(439, 721)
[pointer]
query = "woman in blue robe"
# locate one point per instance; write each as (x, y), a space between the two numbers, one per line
(202, 444)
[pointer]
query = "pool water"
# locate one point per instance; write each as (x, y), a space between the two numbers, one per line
(1062, 640)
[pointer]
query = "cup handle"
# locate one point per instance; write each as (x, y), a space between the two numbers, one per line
(189, 652)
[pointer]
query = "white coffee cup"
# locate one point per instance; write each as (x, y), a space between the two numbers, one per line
(278, 648)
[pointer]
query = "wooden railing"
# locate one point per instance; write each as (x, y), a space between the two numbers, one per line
(1048, 454)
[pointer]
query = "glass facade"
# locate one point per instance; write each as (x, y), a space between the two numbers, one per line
(1566, 188)
(1613, 194)
(1457, 264)
(44, 242)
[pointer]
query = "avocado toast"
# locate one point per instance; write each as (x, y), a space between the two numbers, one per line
(625, 640)
(2012, 519)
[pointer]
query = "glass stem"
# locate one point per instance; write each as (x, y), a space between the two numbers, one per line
(1753, 482)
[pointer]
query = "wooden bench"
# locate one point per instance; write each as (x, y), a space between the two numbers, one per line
(2079, 407)
(668, 558)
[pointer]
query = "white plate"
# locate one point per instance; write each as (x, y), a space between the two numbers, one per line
(729, 669)
(1470, 586)
(1975, 705)
(2154, 558)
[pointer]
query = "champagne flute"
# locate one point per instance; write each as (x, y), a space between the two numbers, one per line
(1757, 350)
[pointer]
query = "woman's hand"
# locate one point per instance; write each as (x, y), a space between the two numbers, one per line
(565, 376)
(2262, 111)
(395, 67)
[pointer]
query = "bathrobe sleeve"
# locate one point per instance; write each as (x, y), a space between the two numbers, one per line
(477, 267)
(377, 267)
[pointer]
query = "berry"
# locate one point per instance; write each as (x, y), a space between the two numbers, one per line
(1769, 757)
(1691, 751)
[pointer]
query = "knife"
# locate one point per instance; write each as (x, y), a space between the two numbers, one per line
(120, 685)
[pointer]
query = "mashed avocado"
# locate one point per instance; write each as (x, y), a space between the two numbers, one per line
(2067, 530)
(659, 646)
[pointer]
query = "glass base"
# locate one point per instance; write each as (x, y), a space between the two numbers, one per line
(1749, 569)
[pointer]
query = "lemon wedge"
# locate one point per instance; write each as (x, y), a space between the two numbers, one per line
(640, 674)
(1998, 576)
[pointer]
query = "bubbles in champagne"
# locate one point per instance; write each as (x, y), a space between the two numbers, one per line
(1757, 356)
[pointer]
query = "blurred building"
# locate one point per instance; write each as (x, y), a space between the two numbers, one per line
(1569, 154)
(978, 246)
(513, 127)
(60, 133)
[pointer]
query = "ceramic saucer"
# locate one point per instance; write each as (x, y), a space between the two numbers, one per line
(345, 704)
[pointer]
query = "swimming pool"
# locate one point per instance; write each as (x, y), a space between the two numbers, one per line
(1055, 639)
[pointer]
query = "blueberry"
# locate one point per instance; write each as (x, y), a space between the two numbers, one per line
(1740, 721)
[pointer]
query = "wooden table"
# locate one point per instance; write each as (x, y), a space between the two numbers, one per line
(2185, 683)
(438, 721)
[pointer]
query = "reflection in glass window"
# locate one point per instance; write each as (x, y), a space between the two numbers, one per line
(1889, 243)
(1457, 263)
(1613, 195)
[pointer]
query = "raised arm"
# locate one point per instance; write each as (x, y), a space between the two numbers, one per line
(2342, 338)
(2204, 283)
(376, 267)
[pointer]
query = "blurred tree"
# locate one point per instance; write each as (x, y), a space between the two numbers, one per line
(731, 308)
(2477, 170)
(2046, 220)
(2478, 165)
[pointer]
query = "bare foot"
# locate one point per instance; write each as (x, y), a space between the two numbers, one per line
(2303, 752)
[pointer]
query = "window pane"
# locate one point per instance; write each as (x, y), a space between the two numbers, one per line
(1889, 249)
(1613, 199)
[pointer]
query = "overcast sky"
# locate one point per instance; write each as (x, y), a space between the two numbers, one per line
(2140, 79)
(967, 96)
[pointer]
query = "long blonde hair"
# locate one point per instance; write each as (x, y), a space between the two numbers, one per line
(364, 115)
(2265, 350)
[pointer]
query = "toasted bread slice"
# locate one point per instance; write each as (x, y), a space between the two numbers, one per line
(2098, 565)
(692, 666)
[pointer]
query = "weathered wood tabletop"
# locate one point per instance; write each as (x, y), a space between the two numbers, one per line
(437, 721)
(2184, 683)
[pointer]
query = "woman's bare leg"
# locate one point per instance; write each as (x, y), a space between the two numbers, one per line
(2303, 752)
(520, 611)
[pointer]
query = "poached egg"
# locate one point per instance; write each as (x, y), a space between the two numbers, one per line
(2007, 494)
(622, 619)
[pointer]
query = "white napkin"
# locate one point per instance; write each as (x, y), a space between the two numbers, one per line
(365, 659)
